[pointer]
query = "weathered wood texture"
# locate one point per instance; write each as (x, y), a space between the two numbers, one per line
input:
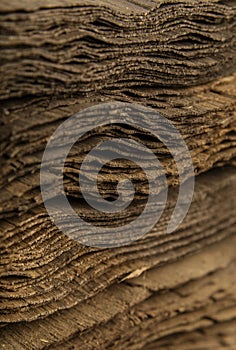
(165, 291)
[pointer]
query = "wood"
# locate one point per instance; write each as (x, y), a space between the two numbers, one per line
(164, 291)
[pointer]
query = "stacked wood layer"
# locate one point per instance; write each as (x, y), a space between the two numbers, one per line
(164, 291)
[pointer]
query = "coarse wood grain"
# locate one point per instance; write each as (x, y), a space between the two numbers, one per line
(164, 291)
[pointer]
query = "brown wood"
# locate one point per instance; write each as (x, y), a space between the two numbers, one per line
(164, 291)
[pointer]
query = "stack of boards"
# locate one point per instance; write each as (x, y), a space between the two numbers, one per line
(163, 291)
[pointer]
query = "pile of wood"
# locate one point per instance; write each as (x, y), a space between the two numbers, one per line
(164, 291)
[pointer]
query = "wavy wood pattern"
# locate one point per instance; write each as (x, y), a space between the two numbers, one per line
(164, 291)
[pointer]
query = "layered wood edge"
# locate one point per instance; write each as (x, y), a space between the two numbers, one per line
(46, 275)
(170, 45)
(139, 311)
(204, 115)
(164, 291)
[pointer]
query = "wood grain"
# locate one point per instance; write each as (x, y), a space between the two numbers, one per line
(164, 291)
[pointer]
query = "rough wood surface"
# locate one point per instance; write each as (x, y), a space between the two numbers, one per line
(164, 291)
